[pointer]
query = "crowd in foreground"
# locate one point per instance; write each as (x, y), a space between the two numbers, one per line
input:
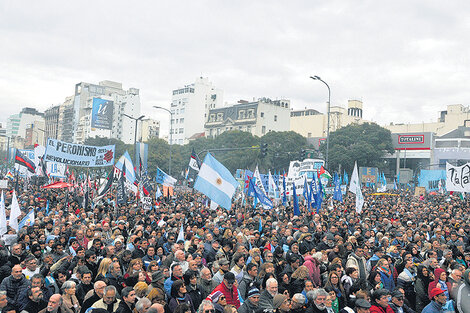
(402, 254)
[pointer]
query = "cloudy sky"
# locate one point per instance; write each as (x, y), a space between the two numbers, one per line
(406, 60)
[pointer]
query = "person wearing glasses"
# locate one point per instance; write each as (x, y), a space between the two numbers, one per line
(397, 305)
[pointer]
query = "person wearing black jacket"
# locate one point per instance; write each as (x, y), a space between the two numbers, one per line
(35, 301)
(128, 301)
(194, 291)
(98, 292)
(85, 285)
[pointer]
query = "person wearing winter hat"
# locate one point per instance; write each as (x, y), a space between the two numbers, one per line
(438, 299)
(281, 303)
(252, 300)
(219, 301)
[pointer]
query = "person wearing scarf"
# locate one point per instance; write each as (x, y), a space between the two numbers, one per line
(440, 281)
(421, 287)
(406, 280)
(386, 275)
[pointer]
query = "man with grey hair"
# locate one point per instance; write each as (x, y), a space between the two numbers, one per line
(206, 306)
(93, 295)
(109, 301)
(298, 303)
(143, 305)
(54, 304)
(267, 296)
(318, 298)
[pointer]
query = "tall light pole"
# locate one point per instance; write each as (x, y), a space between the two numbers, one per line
(328, 118)
(136, 119)
(171, 132)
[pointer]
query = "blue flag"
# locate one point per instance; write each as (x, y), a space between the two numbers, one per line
(337, 195)
(296, 200)
(284, 197)
(395, 187)
(345, 179)
(260, 226)
(260, 195)
(317, 192)
(47, 208)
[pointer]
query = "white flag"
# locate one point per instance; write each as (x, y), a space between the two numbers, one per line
(273, 191)
(259, 182)
(359, 199)
(354, 183)
(15, 212)
(3, 217)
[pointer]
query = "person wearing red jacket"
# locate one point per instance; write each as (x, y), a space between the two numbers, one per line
(440, 281)
(380, 301)
(229, 290)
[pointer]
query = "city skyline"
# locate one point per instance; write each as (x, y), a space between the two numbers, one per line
(404, 60)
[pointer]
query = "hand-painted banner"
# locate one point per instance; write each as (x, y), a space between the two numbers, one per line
(79, 155)
(458, 177)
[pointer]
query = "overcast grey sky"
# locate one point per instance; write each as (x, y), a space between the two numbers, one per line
(406, 60)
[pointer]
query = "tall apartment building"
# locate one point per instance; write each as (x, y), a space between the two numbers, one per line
(189, 107)
(149, 128)
(66, 120)
(51, 118)
(124, 102)
(257, 117)
(18, 123)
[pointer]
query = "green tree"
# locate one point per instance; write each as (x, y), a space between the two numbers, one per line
(283, 147)
(366, 143)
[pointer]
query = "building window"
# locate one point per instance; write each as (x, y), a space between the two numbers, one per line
(263, 129)
(241, 114)
(212, 117)
(250, 113)
(275, 118)
(181, 130)
(220, 116)
(309, 135)
(262, 114)
(181, 120)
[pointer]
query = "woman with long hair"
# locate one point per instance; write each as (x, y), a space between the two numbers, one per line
(134, 271)
(103, 269)
(179, 295)
(421, 287)
(298, 279)
(334, 282)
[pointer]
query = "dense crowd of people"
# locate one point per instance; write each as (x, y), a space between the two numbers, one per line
(402, 254)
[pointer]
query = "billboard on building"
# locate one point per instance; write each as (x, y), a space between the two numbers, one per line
(412, 141)
(102, 113)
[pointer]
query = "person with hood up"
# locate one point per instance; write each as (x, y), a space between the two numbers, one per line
(313, 262)
(463, 294)
(421, 287)
(440, 281)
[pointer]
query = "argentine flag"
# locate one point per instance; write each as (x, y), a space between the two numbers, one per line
(215, 181)
(28, 220)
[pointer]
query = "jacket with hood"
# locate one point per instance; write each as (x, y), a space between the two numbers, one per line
(463, 294)
(437, 272)
(313, 270)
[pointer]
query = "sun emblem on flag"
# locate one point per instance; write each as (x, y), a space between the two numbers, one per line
(219, 181)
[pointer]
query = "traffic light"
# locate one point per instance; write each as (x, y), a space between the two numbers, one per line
(264, 150)
(302, 154)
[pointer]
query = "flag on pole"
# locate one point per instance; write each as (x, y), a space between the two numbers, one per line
(324, 173)
(296, 200)
(258, 180)
(28, 220)
(359, 199)
(337, 195)
(47, 207)
(395, 187)
(260, 195)
(141, 156)
(106, 186)
(284, 191)
(260, 226)
(121, 196)
(216, 182)
(10, 175)
(24, 161)
(345, 178)
(194, 161)
(15, 212)
(126, 163)
(3, 217)
(164, 179)
(354, 180)
(158, 193)
(305, 194)
(273, 191)
(316, 189)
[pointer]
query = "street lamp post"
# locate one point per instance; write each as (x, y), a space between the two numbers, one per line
(171, 132)
(135, 130)
(328, 118)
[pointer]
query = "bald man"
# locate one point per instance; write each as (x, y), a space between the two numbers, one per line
(14, 285)
(53, 306)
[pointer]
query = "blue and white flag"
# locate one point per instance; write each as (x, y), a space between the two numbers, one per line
(180, 234)
(296, 201)
(158, 193)
(395, 187)
(273, 191)
(337, 195)
(164, 179)
(260, 195)
(306, 193)
(258, 180)
(215, 181)
(129, 167)
(317, 192)
(28, 220)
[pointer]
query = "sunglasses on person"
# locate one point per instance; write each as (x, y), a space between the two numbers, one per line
(209, 311)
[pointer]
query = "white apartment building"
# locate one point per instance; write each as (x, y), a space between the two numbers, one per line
(257, 117)
(148, 129)
(124, 102)
(18, 123)
(189, 107)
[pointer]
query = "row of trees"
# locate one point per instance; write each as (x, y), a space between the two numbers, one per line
(365, 143)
